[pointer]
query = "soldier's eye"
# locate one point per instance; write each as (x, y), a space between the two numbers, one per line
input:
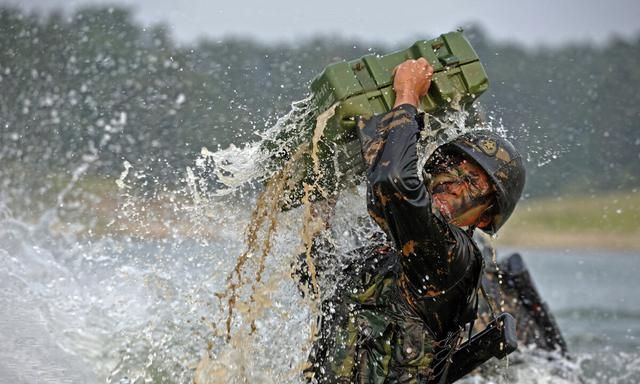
(473, 183)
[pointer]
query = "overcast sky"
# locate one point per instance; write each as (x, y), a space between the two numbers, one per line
(530, 22)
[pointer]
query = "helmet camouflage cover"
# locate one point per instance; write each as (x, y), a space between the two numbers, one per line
(503, 164)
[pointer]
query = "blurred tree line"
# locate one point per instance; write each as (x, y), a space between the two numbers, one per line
(97, 88)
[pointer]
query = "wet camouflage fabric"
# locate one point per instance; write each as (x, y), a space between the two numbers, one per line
(369, 332)
(382, 327)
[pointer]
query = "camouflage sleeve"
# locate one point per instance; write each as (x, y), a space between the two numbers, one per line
(400, 203)
(397, 199)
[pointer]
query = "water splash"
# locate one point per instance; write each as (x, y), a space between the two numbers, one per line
(246, 309)
(237, 167)
(150, 300)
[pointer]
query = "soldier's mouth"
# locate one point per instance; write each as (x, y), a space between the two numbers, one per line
(440, 203)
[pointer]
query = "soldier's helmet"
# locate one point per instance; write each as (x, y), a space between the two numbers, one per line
(502, 162)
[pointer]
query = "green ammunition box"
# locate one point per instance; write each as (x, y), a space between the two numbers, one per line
(364, 87)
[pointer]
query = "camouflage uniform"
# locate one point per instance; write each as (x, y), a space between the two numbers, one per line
(407, 302)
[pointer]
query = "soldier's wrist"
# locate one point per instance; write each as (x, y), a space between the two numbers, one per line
(407, 107)
(410, 98)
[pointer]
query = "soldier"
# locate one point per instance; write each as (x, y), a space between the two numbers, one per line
(402, 316)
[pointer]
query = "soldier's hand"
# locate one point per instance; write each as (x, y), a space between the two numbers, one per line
(411, 80)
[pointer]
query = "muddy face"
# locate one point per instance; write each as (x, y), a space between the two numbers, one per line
(461, 191)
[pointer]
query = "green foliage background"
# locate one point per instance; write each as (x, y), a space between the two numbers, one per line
(96, 88)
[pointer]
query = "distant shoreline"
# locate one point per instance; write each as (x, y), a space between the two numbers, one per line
(606, 221)
(556, 240)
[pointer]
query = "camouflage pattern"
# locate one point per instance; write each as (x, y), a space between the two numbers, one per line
(403, 312)
(369, 333)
